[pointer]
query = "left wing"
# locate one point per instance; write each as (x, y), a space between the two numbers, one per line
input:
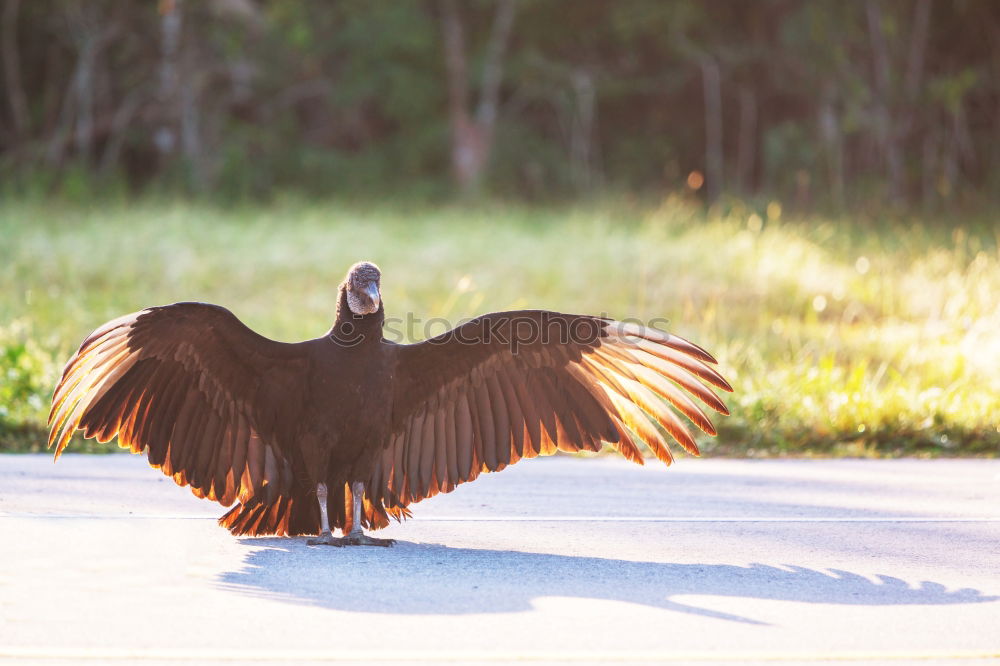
(210, 401)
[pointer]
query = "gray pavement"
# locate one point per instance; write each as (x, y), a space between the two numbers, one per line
(106, 560)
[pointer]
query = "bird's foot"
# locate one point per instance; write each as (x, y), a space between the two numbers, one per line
(362, 539)
(326, 539)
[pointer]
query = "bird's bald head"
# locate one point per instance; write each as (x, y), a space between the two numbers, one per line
(362, 285)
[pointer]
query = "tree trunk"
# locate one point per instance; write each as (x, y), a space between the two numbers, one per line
(12, 71)
(582, 130)
(84, 92)
(472, 137)
(918, 46)
(745, 157)
(885, 133)
(929, 168)
(713, 127)
(489, 96)
(165, 135)
(190, 125)
(833, 144)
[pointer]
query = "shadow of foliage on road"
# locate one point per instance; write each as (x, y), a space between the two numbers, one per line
(434, 579)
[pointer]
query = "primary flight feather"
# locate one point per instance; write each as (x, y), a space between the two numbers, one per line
(349, 429)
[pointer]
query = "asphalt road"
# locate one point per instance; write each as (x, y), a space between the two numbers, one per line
(106, 560)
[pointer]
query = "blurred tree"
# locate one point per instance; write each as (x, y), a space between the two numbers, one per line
(821, 102)
(472, 134)
(12, 70)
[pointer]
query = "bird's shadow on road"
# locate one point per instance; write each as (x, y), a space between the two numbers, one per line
(433, 579)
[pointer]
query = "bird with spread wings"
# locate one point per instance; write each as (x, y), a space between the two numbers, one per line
(350, 429)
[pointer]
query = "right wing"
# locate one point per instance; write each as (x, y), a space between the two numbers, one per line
(186, 384)
(513, 385)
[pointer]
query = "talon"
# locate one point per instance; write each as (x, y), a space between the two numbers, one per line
(325, 539)
(361, 539)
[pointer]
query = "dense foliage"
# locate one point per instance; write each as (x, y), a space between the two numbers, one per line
(818, 102)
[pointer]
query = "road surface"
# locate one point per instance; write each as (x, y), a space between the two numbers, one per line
(555, 560)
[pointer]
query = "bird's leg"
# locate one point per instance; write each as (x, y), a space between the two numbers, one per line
(326, 537)
(356, 537)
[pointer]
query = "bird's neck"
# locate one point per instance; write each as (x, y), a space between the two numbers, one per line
(351, 329)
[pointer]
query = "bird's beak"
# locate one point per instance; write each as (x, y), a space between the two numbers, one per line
(372, 291)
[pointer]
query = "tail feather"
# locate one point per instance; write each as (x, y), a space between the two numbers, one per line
(287, 516)
(299, 515)
(374, 515)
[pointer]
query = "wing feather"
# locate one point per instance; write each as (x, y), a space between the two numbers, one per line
(487, 430)
(532, 422)
(463, 437)
(491, 398)
(440, 458)
(514, 415)
(427, 450)
(414, 445)
(501, 421)
(179, 382)
(451, 438)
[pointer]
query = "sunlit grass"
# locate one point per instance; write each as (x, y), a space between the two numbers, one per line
(858, 338)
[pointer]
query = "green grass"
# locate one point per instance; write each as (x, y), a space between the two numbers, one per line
(840, 337)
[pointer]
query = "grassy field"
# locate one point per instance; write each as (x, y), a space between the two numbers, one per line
(840, 337)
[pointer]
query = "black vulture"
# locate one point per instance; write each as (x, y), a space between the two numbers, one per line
(349, 429)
